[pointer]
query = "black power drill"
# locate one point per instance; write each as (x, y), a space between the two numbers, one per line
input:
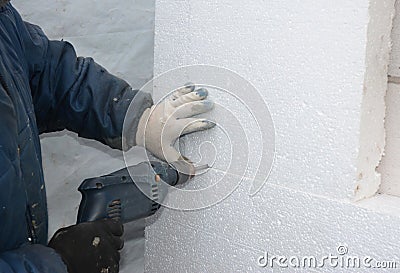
(133, 192)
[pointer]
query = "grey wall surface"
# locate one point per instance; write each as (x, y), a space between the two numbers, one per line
(117, 34)
(390, 164)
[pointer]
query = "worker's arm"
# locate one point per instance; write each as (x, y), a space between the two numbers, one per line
(77, 94)
(30, 258)
(80, 95)
(70, 247)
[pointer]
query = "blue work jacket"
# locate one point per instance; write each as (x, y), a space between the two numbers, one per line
(45, 87)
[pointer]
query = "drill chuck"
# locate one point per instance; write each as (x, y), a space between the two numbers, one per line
(185, 171)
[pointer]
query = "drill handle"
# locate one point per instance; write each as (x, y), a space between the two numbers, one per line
(130, 193)
(117, 196)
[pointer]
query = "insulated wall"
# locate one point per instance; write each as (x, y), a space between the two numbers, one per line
(309, 61)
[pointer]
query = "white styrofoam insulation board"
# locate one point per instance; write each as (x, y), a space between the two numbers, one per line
(120, 36)
(269, 49)
(308, 60)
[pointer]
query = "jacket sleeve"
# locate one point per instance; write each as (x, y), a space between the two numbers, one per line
(29, 258)
(32, 259)
(77, 94)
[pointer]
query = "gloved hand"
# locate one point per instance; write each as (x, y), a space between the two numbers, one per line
(90, 247)
(162, 124)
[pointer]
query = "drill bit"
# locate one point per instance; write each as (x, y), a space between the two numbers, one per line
(201, 167)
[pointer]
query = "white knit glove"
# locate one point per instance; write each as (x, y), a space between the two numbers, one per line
(162, 124)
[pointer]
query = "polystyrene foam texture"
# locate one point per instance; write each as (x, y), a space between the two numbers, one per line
(307, 59)
(230, 236)
(313, 95)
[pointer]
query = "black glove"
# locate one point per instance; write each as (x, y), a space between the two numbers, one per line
(90, 247)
